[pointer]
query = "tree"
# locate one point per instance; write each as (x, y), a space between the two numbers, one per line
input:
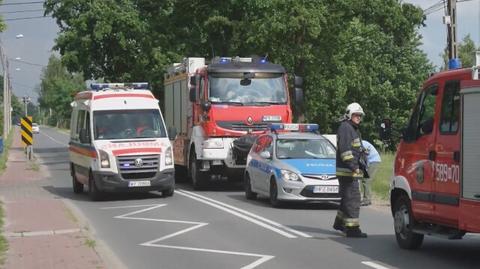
(466, 53)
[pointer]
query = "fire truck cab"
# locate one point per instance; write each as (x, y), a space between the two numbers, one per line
(435, 187)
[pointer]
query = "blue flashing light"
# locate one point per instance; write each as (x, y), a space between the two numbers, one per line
(263, 60)
(134, 85)
(310, 127)
(454, 63)
(224, 60)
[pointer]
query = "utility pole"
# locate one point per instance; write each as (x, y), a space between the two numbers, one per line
(451, 21)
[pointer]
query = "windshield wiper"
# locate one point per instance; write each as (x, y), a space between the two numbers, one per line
(262, 103)
(233, 103)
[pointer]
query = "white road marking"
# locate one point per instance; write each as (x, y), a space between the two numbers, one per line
(271, 222)
(53, 139)
(374, 265)
(196, 225)
(259, 223)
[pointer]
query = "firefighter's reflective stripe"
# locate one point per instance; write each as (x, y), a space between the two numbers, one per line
(351, 222)
(345, 172)
(347, 155)
(356, 143)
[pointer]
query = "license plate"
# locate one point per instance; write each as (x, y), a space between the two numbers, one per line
(143, 183)
(325, 189)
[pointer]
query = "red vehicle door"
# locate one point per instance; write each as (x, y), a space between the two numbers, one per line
(447, 156)
(415, 161)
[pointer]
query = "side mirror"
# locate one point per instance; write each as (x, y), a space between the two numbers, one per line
(206, 106)
(193, 94)
(193, 81)
(172, 133)
(298, 95)
(84, 137)
(265, 155)
(298, 81)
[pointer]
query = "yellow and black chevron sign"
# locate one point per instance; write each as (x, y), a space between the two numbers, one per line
(27, 137)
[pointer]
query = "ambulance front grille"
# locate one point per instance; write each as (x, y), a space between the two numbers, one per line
(138, 166)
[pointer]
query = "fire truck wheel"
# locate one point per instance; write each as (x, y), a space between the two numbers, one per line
(403, 222)
(274, 193)
(93, 191)
(77, 186)
(249, 194)
(198, 177)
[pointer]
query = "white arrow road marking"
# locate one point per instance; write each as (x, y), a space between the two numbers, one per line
(196, 225)
(245, 215)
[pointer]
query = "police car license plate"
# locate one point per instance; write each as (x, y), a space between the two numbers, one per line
(143, 183)
(325, 189)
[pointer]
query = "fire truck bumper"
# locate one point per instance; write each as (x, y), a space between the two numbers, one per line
(111, 182)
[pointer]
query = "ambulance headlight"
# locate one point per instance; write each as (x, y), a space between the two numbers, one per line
(289, 175)
(168, 156)
(104, 159)
(213, 143)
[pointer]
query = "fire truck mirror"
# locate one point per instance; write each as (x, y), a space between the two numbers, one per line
(298, 81)
(298, 97)
(193, 81)
(206, 106)
(172, 133)
(245, 82)
(193, 94)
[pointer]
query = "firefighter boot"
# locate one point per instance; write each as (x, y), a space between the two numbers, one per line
(338, 224)
(355, 232)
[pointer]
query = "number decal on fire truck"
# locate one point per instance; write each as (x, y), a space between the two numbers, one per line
(446, 173)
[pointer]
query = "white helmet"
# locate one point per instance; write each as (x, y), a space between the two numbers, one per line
(353, 108)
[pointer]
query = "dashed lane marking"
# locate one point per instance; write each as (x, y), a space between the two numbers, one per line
(54, 140)
(259, 220)
(374, 265)
(153, 243)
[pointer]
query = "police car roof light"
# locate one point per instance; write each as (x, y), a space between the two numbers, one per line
(299, 127)
(134, 85)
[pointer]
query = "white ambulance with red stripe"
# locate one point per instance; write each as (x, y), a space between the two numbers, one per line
(118, 141)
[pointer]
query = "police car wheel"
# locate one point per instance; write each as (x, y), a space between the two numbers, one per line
(274, 193)
(77, 186)
(403, 222)
(249, 194)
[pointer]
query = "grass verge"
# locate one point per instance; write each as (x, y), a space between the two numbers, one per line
(381, 182)
(3, 241)
(4, 156)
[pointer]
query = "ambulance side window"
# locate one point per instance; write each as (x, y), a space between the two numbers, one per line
(80, 123)
(450, 108)
(421, 122)
(87, 126)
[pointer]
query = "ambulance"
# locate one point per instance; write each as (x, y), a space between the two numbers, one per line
(435, 188)
(118, 141)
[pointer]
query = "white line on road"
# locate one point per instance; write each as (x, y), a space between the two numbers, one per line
(374, 265)
(53, 139)
(263, 258)
(221, 204)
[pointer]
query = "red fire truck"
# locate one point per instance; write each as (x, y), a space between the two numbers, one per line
(211, 108)
(435, 188)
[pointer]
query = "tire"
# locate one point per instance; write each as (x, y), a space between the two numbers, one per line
(198, 177)
(77, 186)
(403, 222)
(274, 193)
(249, 194)
(93, 192)
(168, 192)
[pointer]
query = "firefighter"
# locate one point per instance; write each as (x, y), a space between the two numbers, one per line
(351, 166)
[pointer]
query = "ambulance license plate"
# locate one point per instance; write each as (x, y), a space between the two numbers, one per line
(143, 183)
(325, 189)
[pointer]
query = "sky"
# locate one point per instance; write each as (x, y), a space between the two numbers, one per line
(39, 34)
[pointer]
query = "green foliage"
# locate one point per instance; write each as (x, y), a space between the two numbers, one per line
(466, 53)
(381, 182)
(347, 50)
(57, 90)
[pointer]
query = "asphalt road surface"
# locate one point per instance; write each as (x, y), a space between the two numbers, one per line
(219, 228)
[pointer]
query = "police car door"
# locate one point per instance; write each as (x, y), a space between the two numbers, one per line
(263, 157)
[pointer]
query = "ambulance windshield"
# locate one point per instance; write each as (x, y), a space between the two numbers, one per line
(257, 89)
(305, 149)
(127, 124)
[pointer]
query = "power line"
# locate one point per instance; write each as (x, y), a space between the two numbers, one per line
(26, 62)
(22, 11)
(21, 3)
(27, 18)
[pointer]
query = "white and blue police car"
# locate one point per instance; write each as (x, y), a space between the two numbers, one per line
(291, 162)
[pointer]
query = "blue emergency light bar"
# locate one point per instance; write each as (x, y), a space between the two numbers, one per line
(297, 127)
(134, 85)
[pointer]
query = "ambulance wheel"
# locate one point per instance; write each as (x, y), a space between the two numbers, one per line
(403, 222)
(249, 194)
(274, 193)
(77, 186)
(198, 177)
(168, 192)
(93, 191)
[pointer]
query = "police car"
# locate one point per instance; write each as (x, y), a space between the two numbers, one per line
(292, 163)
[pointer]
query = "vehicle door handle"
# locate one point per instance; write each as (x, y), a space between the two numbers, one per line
(476, 196)
(456, 156)
(432, 155)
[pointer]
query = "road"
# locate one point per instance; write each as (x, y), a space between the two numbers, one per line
(219, 228)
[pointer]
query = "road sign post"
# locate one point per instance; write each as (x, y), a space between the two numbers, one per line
(27, 135)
